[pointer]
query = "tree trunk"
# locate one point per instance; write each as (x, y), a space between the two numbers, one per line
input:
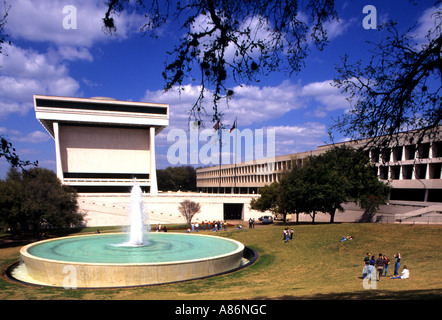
(332, 215)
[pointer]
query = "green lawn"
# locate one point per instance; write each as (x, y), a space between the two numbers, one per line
(315, 265)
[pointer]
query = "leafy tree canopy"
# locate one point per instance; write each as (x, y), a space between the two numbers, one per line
(269, 200)
(177, 178)
(35, 200)
(324, 182)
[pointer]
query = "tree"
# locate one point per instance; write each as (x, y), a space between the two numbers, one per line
(315, 188)
(8, 152)
(297, 192)
(294, 195)
(269, 200)
(350, 177)
(231, 39)
(324, 182)
(177, 178)
(35, 200)
(398, 90)
(11, 198)
(188, 209)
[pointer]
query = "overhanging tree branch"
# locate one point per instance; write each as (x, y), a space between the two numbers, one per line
(239, 40)
(398, 90)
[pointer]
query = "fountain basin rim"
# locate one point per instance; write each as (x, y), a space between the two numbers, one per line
(24, 252)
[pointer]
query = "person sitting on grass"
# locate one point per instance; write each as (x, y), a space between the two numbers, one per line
(405, 274)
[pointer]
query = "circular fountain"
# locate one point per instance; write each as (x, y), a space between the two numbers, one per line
(128, 259)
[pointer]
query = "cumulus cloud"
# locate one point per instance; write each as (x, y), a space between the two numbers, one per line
(253, 106)
(337, 28)
(299, 138)
(74, 53)
(18, 136)
(48, 16)
(26, 72)
(427, 25)
(323, 98)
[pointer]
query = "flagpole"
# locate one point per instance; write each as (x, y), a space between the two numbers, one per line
(236, 146)
(220, 138)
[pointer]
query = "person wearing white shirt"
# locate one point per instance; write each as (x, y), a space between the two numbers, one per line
(404, 275)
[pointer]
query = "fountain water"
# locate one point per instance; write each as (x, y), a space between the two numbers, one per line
(137, 230)
(105, 260)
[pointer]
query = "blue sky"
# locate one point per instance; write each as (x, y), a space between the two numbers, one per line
(45, 58)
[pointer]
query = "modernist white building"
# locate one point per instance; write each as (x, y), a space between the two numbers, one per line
(103, 144)
(413, 170)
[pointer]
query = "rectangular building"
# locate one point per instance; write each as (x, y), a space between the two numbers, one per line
(103, 144)
(414, 170)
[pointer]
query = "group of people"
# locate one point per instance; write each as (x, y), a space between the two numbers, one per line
(288, 234)
(158, 228)
(380, 265)
(215, 226)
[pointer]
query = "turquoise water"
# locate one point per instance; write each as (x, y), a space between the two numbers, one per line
(108, 248)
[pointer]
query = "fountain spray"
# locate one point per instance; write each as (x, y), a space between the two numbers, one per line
(137, 231)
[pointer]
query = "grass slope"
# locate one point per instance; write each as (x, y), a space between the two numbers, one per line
(315, 265)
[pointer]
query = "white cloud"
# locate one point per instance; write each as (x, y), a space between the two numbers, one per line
(252, 106)
(257, 29)
(325, 93)
(73, 53)
(299, 138)
(43, 21)
(26, 72)
(35, 137)
(323, 98)
(337, 28)
(428, 22)
(18, 136)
